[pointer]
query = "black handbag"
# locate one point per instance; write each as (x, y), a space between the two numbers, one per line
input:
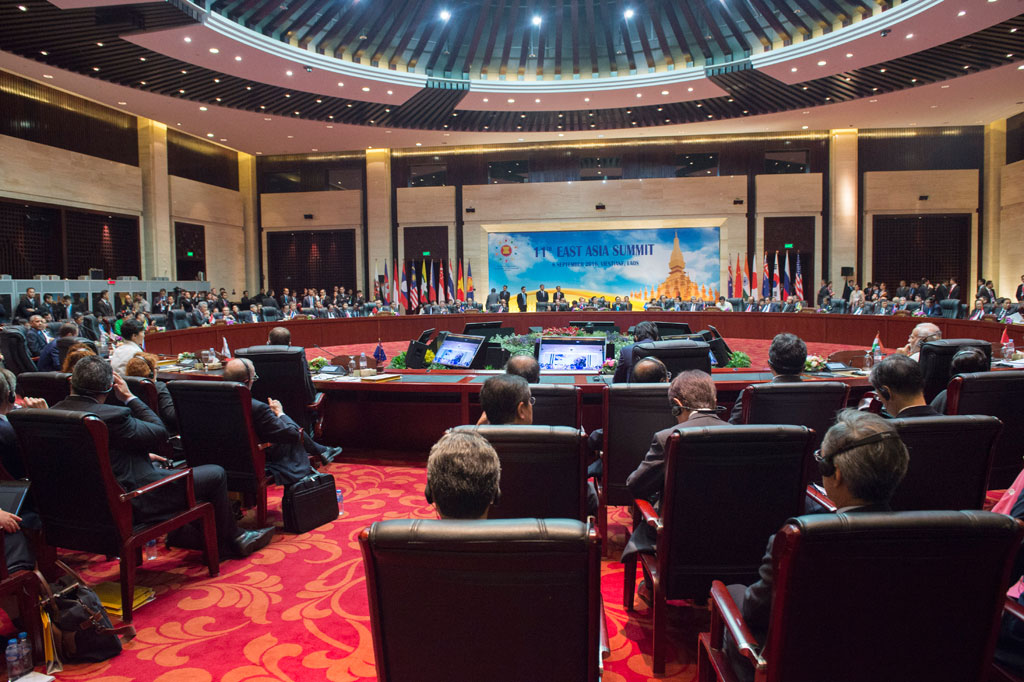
(310, 503)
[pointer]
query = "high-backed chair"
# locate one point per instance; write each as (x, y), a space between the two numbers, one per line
(895, 596)
(950, 308)
(14, 347)
(180, 319)
(215, 421)
(159, 320)
(737, 304)
(67, 451)
(999, 394)
(727, 489)
(813, 404)
(677, 354)
(543, 471)
(633, 413)
(90, 327)
(557, 405)
(52, 387)
(495, 600)
(840, 306)
(268, 314)
(64, 345)
(284, 375)
(936, 358)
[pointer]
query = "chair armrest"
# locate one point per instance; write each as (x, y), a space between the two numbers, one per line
(1014, 609)
(815, 495)
(724, 606)
(264, 446)
(317, 400)
(184, 473)
(646, 510)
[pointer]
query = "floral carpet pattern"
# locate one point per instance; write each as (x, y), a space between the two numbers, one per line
(298, 610)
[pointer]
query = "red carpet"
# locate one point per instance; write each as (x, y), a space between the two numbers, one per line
(298, 610)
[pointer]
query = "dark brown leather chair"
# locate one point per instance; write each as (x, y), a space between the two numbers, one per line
(14, 348)
(52, 387)
(937, 356)
(496, 600)
(216, 427)
(284, 375)
(67, 451)
(727, 489)
(999, 394)
(1004, 670)
(64, 345)
(813, 404)
(869, 596)
(633, 413)
(543, 471)
(557, 405)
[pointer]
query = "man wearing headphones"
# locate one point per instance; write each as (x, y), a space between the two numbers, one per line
(134, 431)
(966, 361)
(899, 383)
(463, 476)
(786, 358)
(644, 331)
(692, 398)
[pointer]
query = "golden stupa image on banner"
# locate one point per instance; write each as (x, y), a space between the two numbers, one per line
(678, 284)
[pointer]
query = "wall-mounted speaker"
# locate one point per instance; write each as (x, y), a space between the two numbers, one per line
(846, 272)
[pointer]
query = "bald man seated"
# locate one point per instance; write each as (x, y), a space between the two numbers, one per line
(287, 459)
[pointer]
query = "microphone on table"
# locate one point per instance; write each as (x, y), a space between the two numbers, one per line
(329, 353)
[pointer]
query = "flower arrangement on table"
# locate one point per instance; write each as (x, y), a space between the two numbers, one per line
(814, 363)
(318, 363)
(919, 313)
(609, 366)
(398, 361)
(561, 331)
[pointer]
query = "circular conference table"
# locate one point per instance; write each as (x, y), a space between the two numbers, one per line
(402, 419)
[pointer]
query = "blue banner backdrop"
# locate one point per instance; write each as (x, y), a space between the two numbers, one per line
(677, 262)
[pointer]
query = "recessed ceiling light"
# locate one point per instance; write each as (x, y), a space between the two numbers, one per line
(123, 104)
(259, 153)
(822, 62)
(944, 87)
(214, 50)
(419, 144)
(391, 92)
(184, 71)
(511, 101)
(445, 15)
(803, 127)
(267, 118)
(238, 57)
(537, 100)
(202, 108)
(187, 39)
(44, 53)
(639, 95)
(909, 36)
(315, 150)
(319, 101)
(209, 134)
(47, 75)
(849, 54)
(1013, 30)
(881, 71)
(141, 59)
(561, 134)
(689, 89)
(586, 99)
(99, 44)
(330, 127)
(873, 100)
(366, 89)
(1021, 67)
(224, 139)
(287, 73)
(248, 87)
(536, 21)
(23, 8)
(291, 137)
(142, 82)
(664, 92)
(961, 13)
(1009, 55)
(287, 95)
(95, 68)
(793, 69)
(486, 100)
(628, 14)
(181, 91)
(216, 80)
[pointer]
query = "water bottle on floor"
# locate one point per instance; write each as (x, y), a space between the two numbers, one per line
(151, 550)
(24, 653)
(13, 662)
(341, 501)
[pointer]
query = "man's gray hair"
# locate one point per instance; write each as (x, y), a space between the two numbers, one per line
(872, 471)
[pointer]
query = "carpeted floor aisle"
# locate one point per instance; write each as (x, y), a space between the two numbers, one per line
(298, 610)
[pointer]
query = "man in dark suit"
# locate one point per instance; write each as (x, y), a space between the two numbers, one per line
(953, 290)
(694, 306)
(492, 299)
(36, 335)
(899, 383)
(786, 357)
(287, 460)
(542, 295)
(134, 431)
(862, 460)
(103, 308)
(49, 356)
(1020, 289)
(505, 296)
(693, 399)
(644, 331)
(521, 298)
(558, 296)
(27, 306)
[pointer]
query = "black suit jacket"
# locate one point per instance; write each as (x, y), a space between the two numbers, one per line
(624, 368)
(521, 301)
(757, 600)
(558, 296)
(1020, 292)
(736, 416)
(505, 297)
(104, 308)
(919, 411)
(26, 308)
(542, 296)
(36, 341)
(287, 459)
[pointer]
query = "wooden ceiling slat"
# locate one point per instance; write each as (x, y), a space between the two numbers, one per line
(601, 12)
(695, 29)
(442, 38)
(421, 45)
(734, 29)
(716, 32)
(659, 33)
(307, 35)
(627, 41)
(754, 26)
(492, 37)
(510, 32)
(467, 64)
(591, 31)
(363, 21)
(540, 43)
(815, 15)
(527, 40)
(294, 25)
(773, 21)
(407, 35)
(686, 54)
(559, 17)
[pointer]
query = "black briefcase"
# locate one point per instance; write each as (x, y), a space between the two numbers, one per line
(310, 503)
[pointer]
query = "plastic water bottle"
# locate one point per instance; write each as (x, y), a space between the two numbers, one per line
(24, 653)
(869, 360)
(1008, 350)
(341, 501)
(104, 344)
(151, 550)
(13, 662)
(362, 361)
(351, 366)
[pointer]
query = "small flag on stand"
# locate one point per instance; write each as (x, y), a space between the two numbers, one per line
(379, 355)
(876, 345)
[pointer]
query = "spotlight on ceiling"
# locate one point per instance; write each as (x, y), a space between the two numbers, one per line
(628, 14)
(445, 15)
(536, 21)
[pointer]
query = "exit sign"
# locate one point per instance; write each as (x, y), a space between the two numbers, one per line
(426, 253)
(189, 253)
(785, 246)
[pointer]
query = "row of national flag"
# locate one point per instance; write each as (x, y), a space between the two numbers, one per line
(775, 280)
(423, 282)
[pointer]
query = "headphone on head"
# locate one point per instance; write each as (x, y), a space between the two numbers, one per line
(827, 467)
(7, 388)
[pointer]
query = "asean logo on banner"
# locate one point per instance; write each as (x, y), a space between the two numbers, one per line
(506, 250)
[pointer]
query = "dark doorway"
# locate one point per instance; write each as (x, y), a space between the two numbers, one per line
(314, 258)
(798, 231)
(190, 250)
(911, 247)
(426, 243)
